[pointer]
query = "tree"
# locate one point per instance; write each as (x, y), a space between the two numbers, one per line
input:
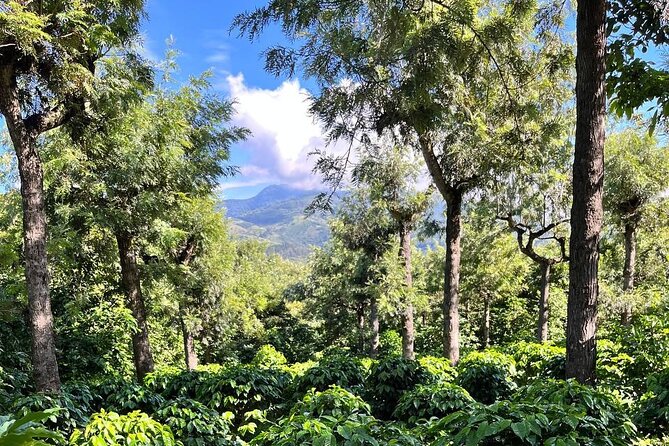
(633, 79)
(147, 149)
(533, 201)
(48, 53)
(364, 225)
(637, 172)
(436, 81)
(588, 183)
(391, 177)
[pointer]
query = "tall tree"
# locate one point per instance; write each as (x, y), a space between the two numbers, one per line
(391, 176)
(588, 184)
(637, 172)
(48, 53)
(435, 80)
(145, 150)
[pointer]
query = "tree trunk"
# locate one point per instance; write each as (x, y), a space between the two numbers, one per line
(544, 308)
(629, 271)
(141, 346)
(485, 328)
(45, 364)
(189, 346)
(452, 278)
(374, 320)
(588, 178)
(361, 328)
(408, 333)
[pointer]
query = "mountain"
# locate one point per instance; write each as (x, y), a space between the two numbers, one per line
(276, 215)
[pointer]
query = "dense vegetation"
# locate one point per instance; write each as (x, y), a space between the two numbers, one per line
(472, 290)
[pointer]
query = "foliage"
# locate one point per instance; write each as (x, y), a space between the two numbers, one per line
(652, 415)
(27, 430)
(388, 380)
(538, 361)
(488, 376)
(440, 369)
(268, 356)
(194, 424)
(432, 400)
(588, 418)
(334, 369)
(134, 428)
(133, 397)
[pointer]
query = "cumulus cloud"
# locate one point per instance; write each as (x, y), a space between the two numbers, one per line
(283, 134)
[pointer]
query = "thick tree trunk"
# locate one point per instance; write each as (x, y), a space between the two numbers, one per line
(544, 308)
(189, 346)
(374, 321)
(130, 280)
(629, 271)
(45, 365)
(588, 179)
(485, 326)
(408, 333)
(452, 278)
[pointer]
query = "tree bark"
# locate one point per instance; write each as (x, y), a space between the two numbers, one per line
(374, 321)
(588, 176)
(189, 346)
(629, 271)
(452, 277)
(130, 280)
(544, 305)
(408, 333)
(361, 328)
(485, 328)
(24, 140)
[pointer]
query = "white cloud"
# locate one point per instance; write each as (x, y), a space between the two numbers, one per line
(283, 133)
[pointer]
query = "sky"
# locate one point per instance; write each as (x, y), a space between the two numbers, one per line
(275, 110)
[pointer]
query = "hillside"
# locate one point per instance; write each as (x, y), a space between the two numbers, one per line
(276, 215)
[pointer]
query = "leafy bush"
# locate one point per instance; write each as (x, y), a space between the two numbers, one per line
(337, 369)
(171, 382)
(243, 389)
(614, 367)
(388, 380)
(133, 397)
(553, 413)
(268, 356)
(652, 416)
(135, 428)
(12, 383)
(27, 429)
(335, 401)
(538, 361)
(65, 412)
(332, 417)
(487, 376)
(195, 424)
(439, 369)
(390, 344)
(431, 400)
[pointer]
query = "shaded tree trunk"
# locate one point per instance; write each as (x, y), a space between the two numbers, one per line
(629, 271)
(24, 140)
(189, 346)
(485, 327)
(190, 355)
(374, 321)
(130, 280)
(544, 305)
(361, 328)
(452, 277)
(588, 176)
(408, 333)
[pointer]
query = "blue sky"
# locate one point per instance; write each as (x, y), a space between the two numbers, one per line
(275, 110)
